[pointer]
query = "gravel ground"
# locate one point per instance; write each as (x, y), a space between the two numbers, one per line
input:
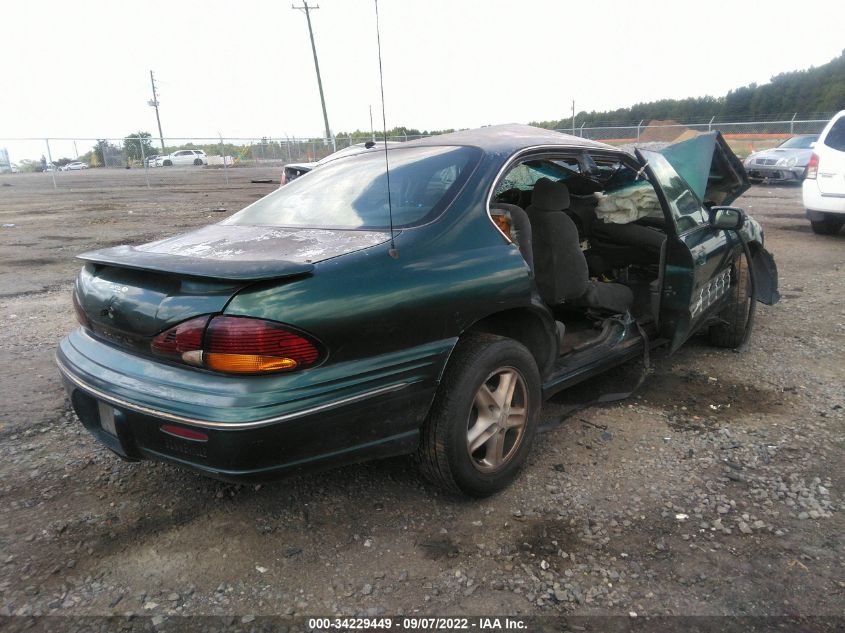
(715, 490)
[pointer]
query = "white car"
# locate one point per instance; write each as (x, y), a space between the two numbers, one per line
(75, 165)
(824, 185)
(183, 157)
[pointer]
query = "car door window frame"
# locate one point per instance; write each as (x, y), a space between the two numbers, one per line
(671, 206)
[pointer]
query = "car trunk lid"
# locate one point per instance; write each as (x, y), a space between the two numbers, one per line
(129, 294)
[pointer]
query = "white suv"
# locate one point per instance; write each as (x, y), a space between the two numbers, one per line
(824, 185)
(183, 157)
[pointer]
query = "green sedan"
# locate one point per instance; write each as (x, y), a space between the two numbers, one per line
(422, 299)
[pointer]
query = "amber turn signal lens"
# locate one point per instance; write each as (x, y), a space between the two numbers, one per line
(246, 363)
(502, 223)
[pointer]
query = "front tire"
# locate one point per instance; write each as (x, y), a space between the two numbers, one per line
(734, 316)
(197, 161)
(481, 426)
(827, 226)
(167, 163)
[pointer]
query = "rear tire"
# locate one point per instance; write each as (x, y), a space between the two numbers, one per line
(482, 423)
(827, 226)
(734, 316)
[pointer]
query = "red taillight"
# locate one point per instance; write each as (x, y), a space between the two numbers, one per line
(813, 166)
(240, 345)
(185, 434)
(182, 339)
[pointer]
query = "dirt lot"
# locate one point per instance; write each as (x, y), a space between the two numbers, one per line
(715, 490)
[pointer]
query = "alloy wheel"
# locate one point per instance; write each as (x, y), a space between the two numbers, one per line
(497, 419)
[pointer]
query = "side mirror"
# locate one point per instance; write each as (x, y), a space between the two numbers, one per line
(812, 145)
(727, 218)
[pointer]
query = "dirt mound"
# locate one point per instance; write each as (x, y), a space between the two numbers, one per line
(666, 131)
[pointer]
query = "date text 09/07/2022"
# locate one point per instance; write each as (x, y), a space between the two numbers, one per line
(417, 624)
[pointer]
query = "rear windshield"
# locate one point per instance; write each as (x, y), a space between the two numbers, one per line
(836, 135)
(351, 193)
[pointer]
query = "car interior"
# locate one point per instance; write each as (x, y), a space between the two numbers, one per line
(591, 229)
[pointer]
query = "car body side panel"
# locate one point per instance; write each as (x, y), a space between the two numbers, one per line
(369, 304)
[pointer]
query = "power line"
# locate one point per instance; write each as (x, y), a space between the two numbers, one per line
(154, 103)
(307, 10)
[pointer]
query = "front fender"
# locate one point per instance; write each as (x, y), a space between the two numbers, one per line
(765, 274)
(762, 263)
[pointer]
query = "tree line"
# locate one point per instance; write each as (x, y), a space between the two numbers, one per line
(813, 91)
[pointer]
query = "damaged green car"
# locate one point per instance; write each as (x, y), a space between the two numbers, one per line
(341, 318)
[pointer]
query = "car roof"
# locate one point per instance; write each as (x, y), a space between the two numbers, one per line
(510, 138)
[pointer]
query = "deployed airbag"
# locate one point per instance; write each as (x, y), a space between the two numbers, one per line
(628, 204)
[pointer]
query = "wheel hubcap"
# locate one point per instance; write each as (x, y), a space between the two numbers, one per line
(497, 420)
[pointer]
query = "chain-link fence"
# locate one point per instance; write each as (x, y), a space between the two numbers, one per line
(143, 160)
(744, 137)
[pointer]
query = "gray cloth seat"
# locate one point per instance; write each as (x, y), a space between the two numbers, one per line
(622, 244)
(560, 267)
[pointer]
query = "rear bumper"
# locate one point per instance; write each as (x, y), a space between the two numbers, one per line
(256, 427)
(818, 204)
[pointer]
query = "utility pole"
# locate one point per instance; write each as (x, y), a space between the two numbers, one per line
(154, 103)
(307, 10)
(573, 117)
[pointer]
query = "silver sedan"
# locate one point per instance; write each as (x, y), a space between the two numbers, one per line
(785, 163)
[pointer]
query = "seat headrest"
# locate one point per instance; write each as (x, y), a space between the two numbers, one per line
(550, 195)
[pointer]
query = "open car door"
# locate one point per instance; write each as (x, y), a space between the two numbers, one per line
(697, 258)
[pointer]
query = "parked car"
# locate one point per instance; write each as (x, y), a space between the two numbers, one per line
(74, 166)
(785, 163)
(332, 321)
(183, 157)
(824, 187)
(152, 161)
(292, 171)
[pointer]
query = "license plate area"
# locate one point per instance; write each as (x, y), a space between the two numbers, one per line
(106, 412)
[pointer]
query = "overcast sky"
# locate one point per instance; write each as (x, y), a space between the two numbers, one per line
(80, 68)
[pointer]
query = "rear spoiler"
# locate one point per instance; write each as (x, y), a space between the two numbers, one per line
(232, 270)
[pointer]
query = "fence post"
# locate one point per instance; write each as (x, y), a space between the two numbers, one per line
(581, 129)
(223, 155)
(639, 126)
(710, 125)
(143, 159)
(50, 164)
(792, 124)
